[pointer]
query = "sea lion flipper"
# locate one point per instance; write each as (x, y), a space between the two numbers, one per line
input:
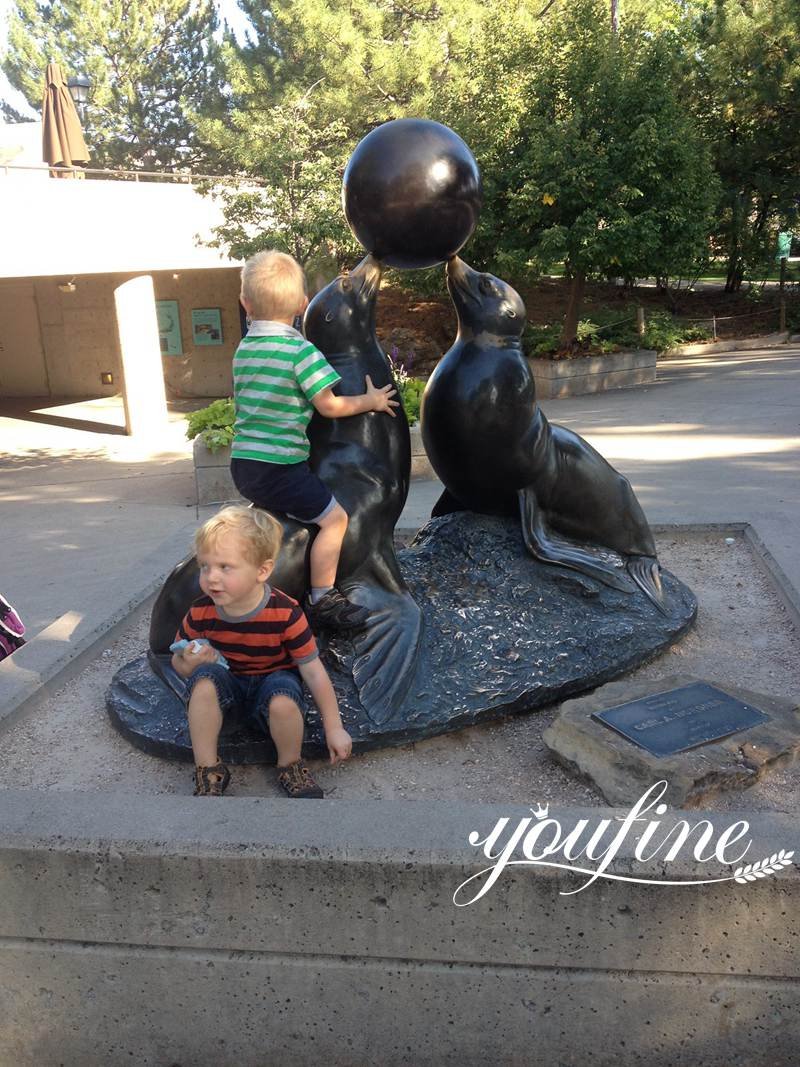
(386, 651)
(646, 572)
(161, 666)
(548, 548)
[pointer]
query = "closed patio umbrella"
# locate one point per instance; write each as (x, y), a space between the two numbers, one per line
(62, 137)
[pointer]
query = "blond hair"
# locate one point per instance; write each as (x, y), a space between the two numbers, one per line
(260, 532)
(274, 286)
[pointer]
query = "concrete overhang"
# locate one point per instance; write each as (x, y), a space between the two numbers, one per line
(75, 227)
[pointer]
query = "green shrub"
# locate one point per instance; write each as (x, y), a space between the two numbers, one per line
(540, 341)
(411, 391)
(409, 388)
(213, 424)
(608, 330)
(662, 331)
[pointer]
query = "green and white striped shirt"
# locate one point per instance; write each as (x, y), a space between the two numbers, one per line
(276, 372)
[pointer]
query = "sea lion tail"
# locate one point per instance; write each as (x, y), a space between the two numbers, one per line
(646, 572)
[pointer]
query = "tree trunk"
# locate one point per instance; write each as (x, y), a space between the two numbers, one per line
(569, 334)
(733, 281)
(739, 213)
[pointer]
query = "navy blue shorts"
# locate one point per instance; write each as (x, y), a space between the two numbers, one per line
(249, 695)
(292, 488)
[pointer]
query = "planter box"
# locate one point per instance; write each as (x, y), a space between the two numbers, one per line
(212, 475)
(420, 464)
(592, 374)
(215, 486)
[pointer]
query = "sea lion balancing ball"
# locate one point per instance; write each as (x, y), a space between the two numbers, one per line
(412, 193)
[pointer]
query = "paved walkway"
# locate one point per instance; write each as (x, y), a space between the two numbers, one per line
(90, 517)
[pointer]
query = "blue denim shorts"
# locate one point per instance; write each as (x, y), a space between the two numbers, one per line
(249, 695)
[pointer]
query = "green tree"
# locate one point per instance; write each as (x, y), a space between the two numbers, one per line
(297, 156)
(316, 76)
(746, 94)
(152, 64)
(606, 170)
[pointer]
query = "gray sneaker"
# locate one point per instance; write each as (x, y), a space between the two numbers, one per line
(335, 612)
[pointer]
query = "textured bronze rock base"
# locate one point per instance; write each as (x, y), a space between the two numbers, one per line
(503, 634)
(623, 771)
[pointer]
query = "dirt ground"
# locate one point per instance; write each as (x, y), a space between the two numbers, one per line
(743, 637)
(427, 327)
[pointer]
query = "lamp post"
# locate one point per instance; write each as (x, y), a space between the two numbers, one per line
(79, 86)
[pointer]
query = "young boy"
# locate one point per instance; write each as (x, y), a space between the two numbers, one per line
(266, 642)
(279, 379)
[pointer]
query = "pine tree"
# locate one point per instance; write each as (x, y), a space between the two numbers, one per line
(153, 65)
(316, 77)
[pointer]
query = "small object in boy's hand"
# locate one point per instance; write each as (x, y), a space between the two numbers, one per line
(194, 647)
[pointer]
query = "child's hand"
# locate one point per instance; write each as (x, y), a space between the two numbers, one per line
(340, 744)
(198, 655)
(381, 398)
(186, 660)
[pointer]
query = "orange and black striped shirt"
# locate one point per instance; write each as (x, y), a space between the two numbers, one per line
(274, 637)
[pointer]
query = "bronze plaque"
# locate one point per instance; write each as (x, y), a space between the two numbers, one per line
(680, 719)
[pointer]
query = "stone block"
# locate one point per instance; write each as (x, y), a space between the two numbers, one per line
(142, 929)
(622, 771)
(212, 473)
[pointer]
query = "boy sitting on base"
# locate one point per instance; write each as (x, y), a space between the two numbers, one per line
(279, 379)
(266, 642)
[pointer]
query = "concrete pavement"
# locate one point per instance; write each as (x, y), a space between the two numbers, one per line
(93, 520)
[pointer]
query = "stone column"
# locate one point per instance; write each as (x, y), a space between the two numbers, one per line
(142, 374)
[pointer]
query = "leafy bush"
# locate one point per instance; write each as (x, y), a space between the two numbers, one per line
(540, 341)
(662, 331)
(409, 388)
(213, 424)
(610, 329)
(411, 394)
(425, 284)
(606, 332)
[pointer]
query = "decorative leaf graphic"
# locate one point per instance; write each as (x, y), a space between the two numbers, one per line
(770, 865)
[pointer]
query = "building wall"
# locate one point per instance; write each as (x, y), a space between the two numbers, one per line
(202, 371)
(58, 344)
(22, 364)
(79, 335)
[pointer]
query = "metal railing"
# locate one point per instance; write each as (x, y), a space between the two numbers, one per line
(182, 177)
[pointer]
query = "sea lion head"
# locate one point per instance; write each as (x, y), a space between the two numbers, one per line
(484, 304)
(342, 315)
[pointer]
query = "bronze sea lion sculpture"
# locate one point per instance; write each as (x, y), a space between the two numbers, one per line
(492, 446)
(365, 460)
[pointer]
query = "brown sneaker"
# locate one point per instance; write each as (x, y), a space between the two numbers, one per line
(296, 782)
(335, 612)
(211, 781)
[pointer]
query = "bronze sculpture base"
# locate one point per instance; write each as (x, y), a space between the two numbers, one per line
(504, 634)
